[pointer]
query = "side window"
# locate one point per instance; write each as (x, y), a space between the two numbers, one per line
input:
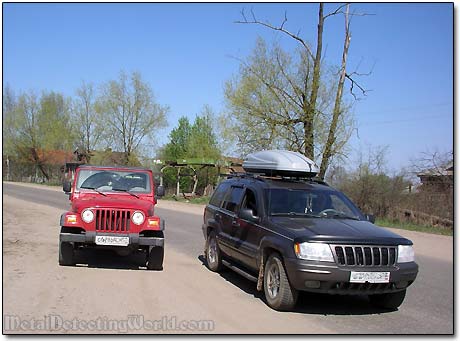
(250, 202)
(232, 199)
(219, 193)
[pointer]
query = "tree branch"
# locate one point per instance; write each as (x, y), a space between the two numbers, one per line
(275, 28)
(353, 84)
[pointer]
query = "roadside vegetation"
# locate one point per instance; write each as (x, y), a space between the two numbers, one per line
(414, 227)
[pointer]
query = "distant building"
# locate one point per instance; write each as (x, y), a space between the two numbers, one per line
(438, 179)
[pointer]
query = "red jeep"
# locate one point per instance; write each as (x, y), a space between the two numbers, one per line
(112, 207)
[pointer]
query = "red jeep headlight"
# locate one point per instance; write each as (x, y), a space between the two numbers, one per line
(87, 216)
(138, 218)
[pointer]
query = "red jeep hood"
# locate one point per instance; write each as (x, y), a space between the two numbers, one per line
(112, 201)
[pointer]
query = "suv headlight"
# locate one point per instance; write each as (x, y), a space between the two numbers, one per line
(138, 218)
(314, 251)
(87, 216)
(406, 254)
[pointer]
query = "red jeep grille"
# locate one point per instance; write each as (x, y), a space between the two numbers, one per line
(113, 220)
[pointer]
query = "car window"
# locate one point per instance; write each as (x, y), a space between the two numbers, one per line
(309, 201)
(219, 193)
(339, 205)
(232, 199)
(107, 181)
(250, 202)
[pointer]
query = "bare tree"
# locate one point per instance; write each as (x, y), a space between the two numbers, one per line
(307, 94)
(303, 126)
(87, 119)
(131, 113)
(328, 150)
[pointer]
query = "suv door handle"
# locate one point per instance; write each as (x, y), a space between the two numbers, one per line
(235, 223)
(218, 216)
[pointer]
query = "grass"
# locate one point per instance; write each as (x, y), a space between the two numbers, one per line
(414, 227)
(197, 200)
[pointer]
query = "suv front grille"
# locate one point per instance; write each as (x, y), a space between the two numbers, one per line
(113, 220)
(351, 255)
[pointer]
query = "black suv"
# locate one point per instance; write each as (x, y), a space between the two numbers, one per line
(290, 235)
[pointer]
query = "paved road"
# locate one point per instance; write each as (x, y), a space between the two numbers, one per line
(231, 301)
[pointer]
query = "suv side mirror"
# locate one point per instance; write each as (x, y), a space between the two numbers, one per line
(370, 217)
(248, 214)
(159, 191)
(67, 186)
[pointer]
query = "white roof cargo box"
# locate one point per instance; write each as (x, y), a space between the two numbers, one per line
(280, 163)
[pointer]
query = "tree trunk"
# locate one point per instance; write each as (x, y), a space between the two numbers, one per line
(327, 154)
(39, 163)
(310, 109)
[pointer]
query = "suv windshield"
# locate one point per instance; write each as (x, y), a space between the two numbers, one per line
(311, 203)
(113, 181)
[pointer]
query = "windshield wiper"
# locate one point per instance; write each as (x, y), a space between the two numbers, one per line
(295, 214)
(125, 190)
(343, 216)
(94, 189)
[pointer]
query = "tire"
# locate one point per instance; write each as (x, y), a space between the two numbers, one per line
(213, 253)
(66, 254)
(388, 301)
(155, 258)
(279, 293)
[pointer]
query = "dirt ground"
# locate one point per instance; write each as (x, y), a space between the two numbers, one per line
(35, 287)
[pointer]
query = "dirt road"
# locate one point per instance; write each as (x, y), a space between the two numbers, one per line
(35, 286)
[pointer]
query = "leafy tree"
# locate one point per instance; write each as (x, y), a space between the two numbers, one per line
(267, 103)
(54, 124)
(179, 138)
(8, 115)
(131, 113)
(288, 97)
(33, 126)
(87, 120)
(196, 140)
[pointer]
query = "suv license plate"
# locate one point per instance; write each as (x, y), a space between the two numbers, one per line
(112, 240)
(371, 277)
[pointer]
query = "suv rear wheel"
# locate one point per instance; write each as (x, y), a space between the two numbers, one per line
(278, 291)
(388, 301)
(213, 254)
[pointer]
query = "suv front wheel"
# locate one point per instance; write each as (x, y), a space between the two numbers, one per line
(278, 291)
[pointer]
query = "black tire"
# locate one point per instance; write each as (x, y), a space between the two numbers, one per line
(285, 296)
(155, 258)
(66, 254)
(213, 253)
(388, 301)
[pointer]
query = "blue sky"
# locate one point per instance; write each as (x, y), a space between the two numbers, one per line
(185, 52)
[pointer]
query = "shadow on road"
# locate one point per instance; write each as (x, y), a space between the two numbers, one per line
(109, 259)
(308, 303)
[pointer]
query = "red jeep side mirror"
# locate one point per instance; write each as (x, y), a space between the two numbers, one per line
(159, 191)
(67, 186)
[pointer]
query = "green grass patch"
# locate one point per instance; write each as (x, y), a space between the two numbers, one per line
(196, 200)
(414, 227)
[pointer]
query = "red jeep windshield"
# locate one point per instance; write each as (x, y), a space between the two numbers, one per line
(111, 181)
